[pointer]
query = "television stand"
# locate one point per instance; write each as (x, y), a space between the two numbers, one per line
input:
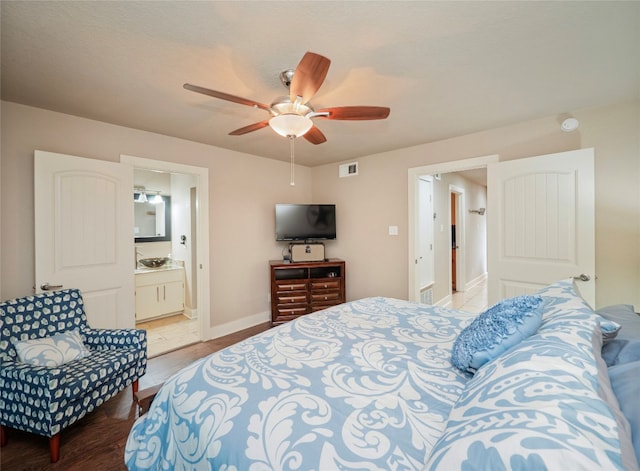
(299, 288)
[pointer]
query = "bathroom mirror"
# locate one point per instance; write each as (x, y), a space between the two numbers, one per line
(152, 220)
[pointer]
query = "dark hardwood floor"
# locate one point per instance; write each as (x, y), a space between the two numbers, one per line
(98, 440)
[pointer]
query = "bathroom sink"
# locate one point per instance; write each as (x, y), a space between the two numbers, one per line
(155, 262)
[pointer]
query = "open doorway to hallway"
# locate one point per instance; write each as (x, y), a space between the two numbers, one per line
(460, 229)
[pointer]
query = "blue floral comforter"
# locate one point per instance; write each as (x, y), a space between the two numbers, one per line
(364, 385)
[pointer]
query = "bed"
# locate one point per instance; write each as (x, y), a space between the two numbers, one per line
(381, 383)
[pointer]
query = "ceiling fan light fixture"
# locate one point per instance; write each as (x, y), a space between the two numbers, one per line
(290, 124)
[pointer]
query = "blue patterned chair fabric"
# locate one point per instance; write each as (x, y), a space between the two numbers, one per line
(45, 400)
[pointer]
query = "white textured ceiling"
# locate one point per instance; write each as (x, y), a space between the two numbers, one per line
(444, 68)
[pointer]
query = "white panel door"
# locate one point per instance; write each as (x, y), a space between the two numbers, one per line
(541, 223)
(424, 237)
(84, 234)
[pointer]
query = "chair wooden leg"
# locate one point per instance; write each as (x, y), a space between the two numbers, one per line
(3, 436)
(134, 387)
(54, 447)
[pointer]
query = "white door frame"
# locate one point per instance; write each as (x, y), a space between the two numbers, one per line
(413, 176)
(202, 222)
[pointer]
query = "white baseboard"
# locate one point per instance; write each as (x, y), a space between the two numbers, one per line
(241, 324)
(444, 302)
(476, 281)
(190, 312)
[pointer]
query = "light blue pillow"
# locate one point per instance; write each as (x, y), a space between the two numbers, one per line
(52, 351)
(621, 351)
(496, 330)
(624, 316)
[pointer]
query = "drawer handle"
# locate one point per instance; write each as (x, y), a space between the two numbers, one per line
(325, 298)
(325, 285)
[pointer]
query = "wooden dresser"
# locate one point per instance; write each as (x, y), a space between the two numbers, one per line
(298, 288)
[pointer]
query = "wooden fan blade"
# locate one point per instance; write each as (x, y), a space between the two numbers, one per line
(250, 128)
(355, 112)
(308, 76)
(225, 96)
(314, 136)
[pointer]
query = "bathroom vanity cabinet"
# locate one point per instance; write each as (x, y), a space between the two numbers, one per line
(159, 292)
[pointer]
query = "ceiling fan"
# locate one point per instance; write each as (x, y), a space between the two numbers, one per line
(291, 116)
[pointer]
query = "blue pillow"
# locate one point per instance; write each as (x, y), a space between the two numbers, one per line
(625, 316)
(620, 351)
(624, 382)
(496, 330)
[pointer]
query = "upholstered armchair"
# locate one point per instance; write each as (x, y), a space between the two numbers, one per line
(54, 369)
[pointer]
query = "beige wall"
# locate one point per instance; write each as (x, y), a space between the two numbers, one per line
(244, 189)
(368, 203)
(243, 192)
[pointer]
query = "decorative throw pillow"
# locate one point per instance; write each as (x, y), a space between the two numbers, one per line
(609, 330)
(496, 330)
(52, 351)
(624, 316)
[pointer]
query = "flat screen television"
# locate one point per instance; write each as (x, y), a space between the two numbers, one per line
(299, 222)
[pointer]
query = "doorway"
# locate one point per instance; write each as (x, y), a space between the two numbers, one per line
(189, 246)
(458, 238)
(443, 220)
(559, 187)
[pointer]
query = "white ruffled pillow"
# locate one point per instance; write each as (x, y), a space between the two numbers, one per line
(52, 351)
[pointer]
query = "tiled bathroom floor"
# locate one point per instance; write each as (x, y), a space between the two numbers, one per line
(169, 333)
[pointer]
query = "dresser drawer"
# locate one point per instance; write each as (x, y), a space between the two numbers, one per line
(320, 307)
(282, 319)
(326, 296)
(297, 297)
(289, 311)
(291, 285)
(299, 288)
(325, 284)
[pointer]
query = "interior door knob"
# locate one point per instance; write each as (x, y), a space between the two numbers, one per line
(48, 287)
(582, 277)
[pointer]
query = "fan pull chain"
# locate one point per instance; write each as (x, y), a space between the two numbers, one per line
(292, 182)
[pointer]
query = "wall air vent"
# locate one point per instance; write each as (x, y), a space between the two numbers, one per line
(348, 170)
(426, 295)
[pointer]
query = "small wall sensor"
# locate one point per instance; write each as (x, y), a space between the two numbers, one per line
(569, 125)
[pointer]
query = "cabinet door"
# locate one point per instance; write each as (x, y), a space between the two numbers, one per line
(172, 297)
(148, 302)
